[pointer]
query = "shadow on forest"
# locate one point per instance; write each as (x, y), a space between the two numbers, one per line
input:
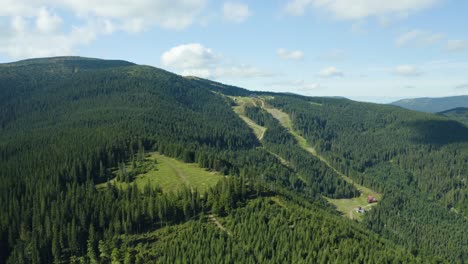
(438, 132)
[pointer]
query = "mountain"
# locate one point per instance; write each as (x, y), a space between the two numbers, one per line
(433, 105)
(459, 113)
(112, 162)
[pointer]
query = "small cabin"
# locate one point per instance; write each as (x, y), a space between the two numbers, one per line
(371, 199)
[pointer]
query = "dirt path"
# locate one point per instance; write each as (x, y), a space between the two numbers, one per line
(215, 221)
(182, 176)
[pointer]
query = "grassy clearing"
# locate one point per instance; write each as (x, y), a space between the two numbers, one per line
(348, 206)
(169, 174)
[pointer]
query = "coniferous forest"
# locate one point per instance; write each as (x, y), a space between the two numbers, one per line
(68, 124)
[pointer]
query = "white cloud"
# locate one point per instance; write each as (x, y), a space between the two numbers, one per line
(18, 24)
(137, 15)
(297, 7)
(134, 15)
(457, 45)
(196, 60)
(352, 10)
(23, 40)
(330, 72)
(290, 54)
(188, 56)
(406, 70)
(46, 22)
(417, 38)
(37, 31)
(463, 86)
(236, 12)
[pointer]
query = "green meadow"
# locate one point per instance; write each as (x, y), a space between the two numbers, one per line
(167, 173)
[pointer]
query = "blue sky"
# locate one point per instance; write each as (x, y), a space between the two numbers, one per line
(371, 50)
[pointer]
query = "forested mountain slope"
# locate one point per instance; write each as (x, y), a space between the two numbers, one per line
(459, 113)
(418, 161)
(68, 123)
(433, 105)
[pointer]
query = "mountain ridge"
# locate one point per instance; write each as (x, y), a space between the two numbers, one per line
(433, 105)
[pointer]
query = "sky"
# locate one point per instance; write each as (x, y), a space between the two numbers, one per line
(368, 50)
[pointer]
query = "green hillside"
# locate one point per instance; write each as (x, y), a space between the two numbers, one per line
(111, 162)
(459, 114)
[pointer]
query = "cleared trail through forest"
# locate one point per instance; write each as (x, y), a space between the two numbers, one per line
(346, 206)
(215, 221)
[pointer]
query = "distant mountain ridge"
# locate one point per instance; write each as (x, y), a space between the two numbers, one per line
(433, 105)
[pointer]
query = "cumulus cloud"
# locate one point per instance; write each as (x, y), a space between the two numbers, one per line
(47, 22)
(236, 12)
(353, 10)
(406, 70)
(196, 60)
(36, 30)
(290, 54)
(186, 56)
(24, 40)
(417, 38)
(457, 45)
(134, 15)
(330, 72)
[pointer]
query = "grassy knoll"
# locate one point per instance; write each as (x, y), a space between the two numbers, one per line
(169, 174)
